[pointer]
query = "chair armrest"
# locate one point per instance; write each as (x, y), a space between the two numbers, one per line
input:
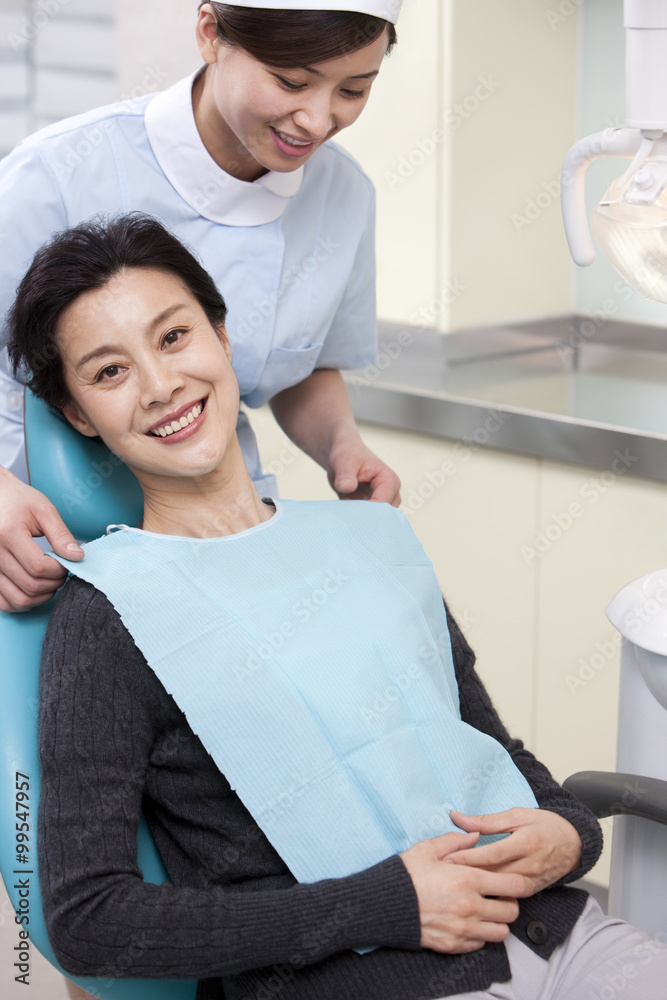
(609, 793)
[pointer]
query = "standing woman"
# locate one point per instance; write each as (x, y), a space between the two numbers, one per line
(235, 159)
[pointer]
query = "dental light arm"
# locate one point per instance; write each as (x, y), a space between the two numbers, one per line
(630, 222)
(611, 142)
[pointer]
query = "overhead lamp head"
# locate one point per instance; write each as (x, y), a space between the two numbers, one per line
(630, 220)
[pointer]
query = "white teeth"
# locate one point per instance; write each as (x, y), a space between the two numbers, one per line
(293, 142)
(178, 425)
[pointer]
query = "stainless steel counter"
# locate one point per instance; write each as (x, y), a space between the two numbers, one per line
(591, 391)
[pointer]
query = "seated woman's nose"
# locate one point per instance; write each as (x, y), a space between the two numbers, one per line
(159, 387)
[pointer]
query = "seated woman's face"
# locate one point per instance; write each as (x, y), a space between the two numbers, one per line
(147, 372)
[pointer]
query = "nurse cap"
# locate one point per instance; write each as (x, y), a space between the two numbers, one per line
(388, 9)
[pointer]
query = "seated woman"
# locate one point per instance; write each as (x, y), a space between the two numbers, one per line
(278, 685)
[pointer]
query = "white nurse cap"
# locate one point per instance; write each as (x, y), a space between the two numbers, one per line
(388, 9)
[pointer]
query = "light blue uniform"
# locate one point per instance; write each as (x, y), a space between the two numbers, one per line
(292, 253)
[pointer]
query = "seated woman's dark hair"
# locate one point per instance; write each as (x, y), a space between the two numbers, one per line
(289, 38)
(80, 260)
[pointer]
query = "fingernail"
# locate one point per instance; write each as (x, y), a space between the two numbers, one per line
(73, 547)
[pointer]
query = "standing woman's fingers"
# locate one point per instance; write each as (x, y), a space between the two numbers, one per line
(57, 534)
(28, 577)
(14, 600)
(386, 487)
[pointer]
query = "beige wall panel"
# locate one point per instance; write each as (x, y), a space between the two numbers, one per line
(392, 142)
(599, 531)
(506, 232)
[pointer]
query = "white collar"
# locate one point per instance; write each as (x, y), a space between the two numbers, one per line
(187, 165)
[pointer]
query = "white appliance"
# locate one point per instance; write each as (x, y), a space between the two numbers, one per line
(638, 883)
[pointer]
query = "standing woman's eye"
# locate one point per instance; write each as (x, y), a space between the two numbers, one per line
(288, 84)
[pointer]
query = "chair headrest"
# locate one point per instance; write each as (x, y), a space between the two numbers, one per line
(89, 486)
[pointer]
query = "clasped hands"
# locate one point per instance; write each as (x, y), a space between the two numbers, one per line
(469, 895)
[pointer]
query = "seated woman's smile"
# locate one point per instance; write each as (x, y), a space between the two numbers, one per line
(222, 667)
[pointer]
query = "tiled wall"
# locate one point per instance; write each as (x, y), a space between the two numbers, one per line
(14, 76)
(57, 58)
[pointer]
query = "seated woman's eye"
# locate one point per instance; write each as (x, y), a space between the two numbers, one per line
(109, 372)
(172, 337)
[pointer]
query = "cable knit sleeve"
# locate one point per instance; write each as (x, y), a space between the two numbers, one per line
(101, 710)
(477, 709)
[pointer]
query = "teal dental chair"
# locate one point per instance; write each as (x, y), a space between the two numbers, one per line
(90, 489)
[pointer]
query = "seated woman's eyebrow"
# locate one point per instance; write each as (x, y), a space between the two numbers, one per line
(114, 349)
(98, 353)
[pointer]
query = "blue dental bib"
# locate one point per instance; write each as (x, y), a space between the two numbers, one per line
(311, 655)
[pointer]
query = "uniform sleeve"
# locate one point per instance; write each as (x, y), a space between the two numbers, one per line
(477, 709)
(31, 210)
(351, 341)
(101, 709)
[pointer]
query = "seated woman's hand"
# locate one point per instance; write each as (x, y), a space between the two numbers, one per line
(542, 846)
(461, 907)
(28, 576)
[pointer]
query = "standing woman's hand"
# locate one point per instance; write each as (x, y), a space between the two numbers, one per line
(317, 415)
(355, 473)
(28, 576)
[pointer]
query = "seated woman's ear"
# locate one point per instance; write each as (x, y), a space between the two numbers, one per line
(224, 340)
(79, 422)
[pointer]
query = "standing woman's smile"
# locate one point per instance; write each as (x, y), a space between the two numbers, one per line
(254, 117)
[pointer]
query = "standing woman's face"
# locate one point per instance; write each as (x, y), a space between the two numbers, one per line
(272, 118)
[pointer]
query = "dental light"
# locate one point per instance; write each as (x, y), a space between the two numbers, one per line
(630, 221)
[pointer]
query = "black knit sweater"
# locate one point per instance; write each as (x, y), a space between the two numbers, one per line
(112, 740)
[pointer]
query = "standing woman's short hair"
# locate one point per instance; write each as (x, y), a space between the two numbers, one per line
(83, 259)
(289, 38)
